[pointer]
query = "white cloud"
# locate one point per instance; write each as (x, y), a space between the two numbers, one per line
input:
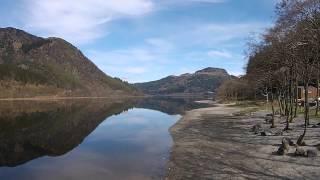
(195, 34)
(79, 21)
(217, 33)
(152, 51)
(84, 21)
(216, 53)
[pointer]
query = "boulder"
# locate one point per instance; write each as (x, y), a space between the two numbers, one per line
(256, 128)
(286, 143)
(282, 151)
(268, 119)
(288, 140)
(278, 132)
(266, 133)
(312, 153)
(303, 143)
(284, 148)
(300, 152)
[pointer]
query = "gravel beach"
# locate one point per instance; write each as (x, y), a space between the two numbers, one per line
(217, 143)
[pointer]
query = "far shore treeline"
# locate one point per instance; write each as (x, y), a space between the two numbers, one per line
(284, 58)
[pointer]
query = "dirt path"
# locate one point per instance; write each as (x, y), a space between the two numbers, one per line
(212, 143)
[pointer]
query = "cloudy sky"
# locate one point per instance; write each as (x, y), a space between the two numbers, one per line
(143, 40)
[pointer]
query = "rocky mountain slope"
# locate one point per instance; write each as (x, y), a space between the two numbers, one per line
(200, 82)
(33, 66)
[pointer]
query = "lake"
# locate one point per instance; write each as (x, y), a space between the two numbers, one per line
(88, 139)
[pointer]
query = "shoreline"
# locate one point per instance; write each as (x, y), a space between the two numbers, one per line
(54, 98)
(217, 143)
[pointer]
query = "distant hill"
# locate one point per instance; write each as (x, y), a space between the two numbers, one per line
(204, 81)
(34, 66)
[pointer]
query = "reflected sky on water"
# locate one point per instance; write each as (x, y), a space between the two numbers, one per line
(87, 140)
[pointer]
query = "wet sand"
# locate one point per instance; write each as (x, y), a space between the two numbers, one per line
(217, 143)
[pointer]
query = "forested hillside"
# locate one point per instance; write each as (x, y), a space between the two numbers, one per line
(203, 81)
(33, 66)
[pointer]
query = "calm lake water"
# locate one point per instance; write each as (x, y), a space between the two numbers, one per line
(88, 139)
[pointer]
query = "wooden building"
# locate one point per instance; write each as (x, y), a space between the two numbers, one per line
(312, 93)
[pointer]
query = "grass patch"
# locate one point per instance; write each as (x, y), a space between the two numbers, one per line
(246, 111)
(245, 104)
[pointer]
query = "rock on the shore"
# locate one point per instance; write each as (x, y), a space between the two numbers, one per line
(291, 143)
(303, 144)
(268, 119)
(286, 143)
(266, 133)
(300, 152)
(284, 148)
(256, 128)
(282, 151)
(278, 132)
(312, 153)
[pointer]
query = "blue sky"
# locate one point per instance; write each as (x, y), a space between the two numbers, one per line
(143, 40)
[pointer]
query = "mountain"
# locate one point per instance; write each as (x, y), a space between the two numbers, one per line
(201, 82)
(33, 66)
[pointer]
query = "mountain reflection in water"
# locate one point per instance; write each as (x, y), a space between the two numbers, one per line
(171, 105)
(30, 131)
(113, 139)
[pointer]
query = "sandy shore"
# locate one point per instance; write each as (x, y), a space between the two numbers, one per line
(217, 143)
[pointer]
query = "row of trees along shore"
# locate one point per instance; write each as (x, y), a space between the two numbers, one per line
(285, 57)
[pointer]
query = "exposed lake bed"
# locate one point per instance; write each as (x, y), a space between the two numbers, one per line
(218, 143)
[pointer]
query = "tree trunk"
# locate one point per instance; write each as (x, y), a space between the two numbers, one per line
(280, 105)
(317, 100)
(287, 114)
(306, 114)
(296, 98)
(272, 107)
(287, 102)
(291, 95)
(282, 100)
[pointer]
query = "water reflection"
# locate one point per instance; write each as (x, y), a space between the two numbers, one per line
(171, 105)
(48, 128)
(97, 139)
